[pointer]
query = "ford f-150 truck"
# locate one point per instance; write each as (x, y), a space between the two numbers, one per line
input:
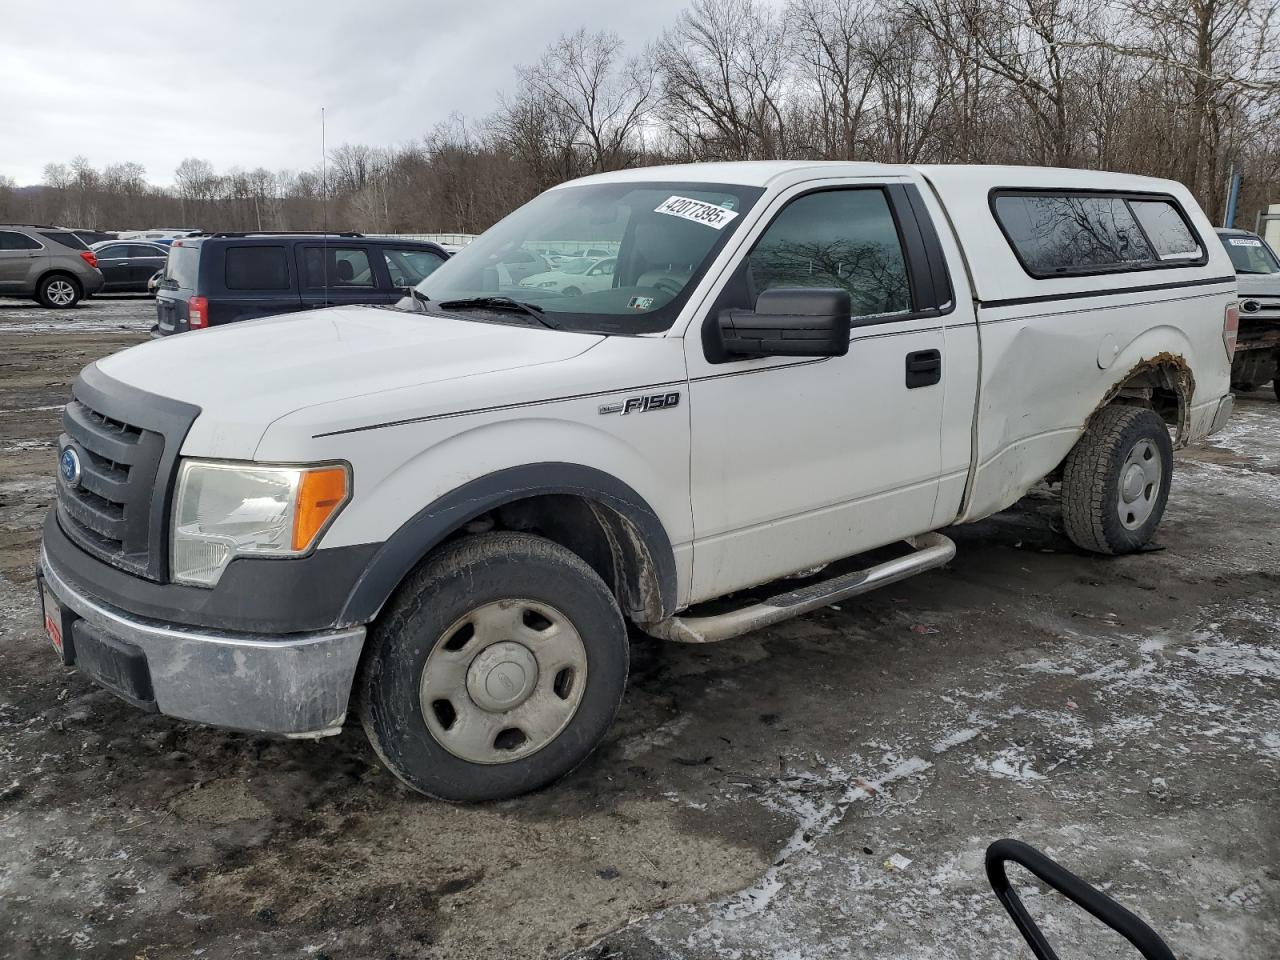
(442, 516)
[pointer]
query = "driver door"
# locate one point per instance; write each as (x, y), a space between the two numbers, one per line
(797, 462)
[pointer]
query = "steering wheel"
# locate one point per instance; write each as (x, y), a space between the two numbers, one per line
(667, 285)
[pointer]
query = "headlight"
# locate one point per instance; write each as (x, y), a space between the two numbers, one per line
(225, 510)
(549, 284)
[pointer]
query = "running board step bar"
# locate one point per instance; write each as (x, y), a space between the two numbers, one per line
(930, 550)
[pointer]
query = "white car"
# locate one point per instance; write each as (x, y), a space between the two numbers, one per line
(575, 277)
(444, 516)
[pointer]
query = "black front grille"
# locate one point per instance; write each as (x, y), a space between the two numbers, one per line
(108, 511)
(126, 442)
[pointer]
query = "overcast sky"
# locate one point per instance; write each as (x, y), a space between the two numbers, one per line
(241, 82)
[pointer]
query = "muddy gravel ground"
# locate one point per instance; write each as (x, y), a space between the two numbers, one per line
(1122, 714)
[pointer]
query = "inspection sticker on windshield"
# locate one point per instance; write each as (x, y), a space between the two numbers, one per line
(1243, 242)
(696, 210)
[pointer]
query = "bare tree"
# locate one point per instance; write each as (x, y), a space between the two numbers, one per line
(834, 42)
(724, 69)
(1221, 59)
(1035, 46)
(599, 95)
(1186, 89)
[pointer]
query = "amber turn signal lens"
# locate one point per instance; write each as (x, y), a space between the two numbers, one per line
(320, 493)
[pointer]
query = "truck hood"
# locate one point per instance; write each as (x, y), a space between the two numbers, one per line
(244, 376)
(1258, 284)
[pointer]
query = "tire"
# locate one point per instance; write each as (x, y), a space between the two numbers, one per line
(1275, 385)
(1115, 481)
(572, 292)
(59, 291)
(456, 677)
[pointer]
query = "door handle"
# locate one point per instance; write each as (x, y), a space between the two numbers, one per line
(924, 368)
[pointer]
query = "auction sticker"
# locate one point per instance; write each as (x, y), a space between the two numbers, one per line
(1243, 242)
(696, 210)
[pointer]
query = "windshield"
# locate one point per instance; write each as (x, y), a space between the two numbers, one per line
(613, 258)
(1250, 255)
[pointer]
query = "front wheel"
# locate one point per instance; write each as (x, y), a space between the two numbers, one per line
(497, 669)
(1115, 481)
(58, 292)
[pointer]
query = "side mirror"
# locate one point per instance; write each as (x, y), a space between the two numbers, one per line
(790, 322)
(1147, 942)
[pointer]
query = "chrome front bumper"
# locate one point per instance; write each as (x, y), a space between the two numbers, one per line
(297, 685)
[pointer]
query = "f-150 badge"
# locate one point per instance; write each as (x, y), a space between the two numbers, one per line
(654, 401)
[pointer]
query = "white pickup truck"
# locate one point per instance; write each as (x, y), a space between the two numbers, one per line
(442, 516)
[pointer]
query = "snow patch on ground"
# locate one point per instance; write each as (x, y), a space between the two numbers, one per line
(1011, 763)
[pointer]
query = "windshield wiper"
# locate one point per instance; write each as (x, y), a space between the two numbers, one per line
(502, 303)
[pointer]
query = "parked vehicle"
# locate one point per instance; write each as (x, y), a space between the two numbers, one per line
(1258, 279)
(220, 278)
(161, 235)
(49, 264)
(516, 265)
(154, 283)
(129, 266)
(90, 237)
(443, 516)
(575, 277)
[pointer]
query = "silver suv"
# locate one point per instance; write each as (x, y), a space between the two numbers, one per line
(50, 264)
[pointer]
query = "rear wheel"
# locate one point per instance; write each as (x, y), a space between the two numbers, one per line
(497, 669)
(1116, 480)
(58, 291)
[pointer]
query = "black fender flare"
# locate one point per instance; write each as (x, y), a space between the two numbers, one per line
(423, 532)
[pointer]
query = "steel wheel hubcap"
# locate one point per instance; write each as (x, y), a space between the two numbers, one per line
(1139, 484)
(502, 677)
(503, 681)
(60, 292)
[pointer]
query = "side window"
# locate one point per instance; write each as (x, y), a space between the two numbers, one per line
(409, 267)
(66, 239)
(1083, 233)
(1165, 228)
(257, 268)
(116, 251)
(603, 269)
(16, 241)
(835, 238)
(141, 250)
(343, 266)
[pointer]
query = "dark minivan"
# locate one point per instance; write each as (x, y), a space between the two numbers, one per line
(217, 278)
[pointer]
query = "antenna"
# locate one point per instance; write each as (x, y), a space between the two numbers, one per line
(324, 208)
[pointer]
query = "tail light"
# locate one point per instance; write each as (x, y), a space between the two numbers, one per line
(88, 257)
(1231, 328)
(198, 313)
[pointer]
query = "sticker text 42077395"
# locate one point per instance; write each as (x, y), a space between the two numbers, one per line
(696, 210)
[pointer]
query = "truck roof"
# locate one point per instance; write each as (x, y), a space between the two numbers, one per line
(762, 173)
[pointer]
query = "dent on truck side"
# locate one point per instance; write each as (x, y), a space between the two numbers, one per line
(1043, 382)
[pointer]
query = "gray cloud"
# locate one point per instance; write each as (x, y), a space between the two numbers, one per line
(241, 82)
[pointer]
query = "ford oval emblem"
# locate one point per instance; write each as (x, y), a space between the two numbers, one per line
(69, 463)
